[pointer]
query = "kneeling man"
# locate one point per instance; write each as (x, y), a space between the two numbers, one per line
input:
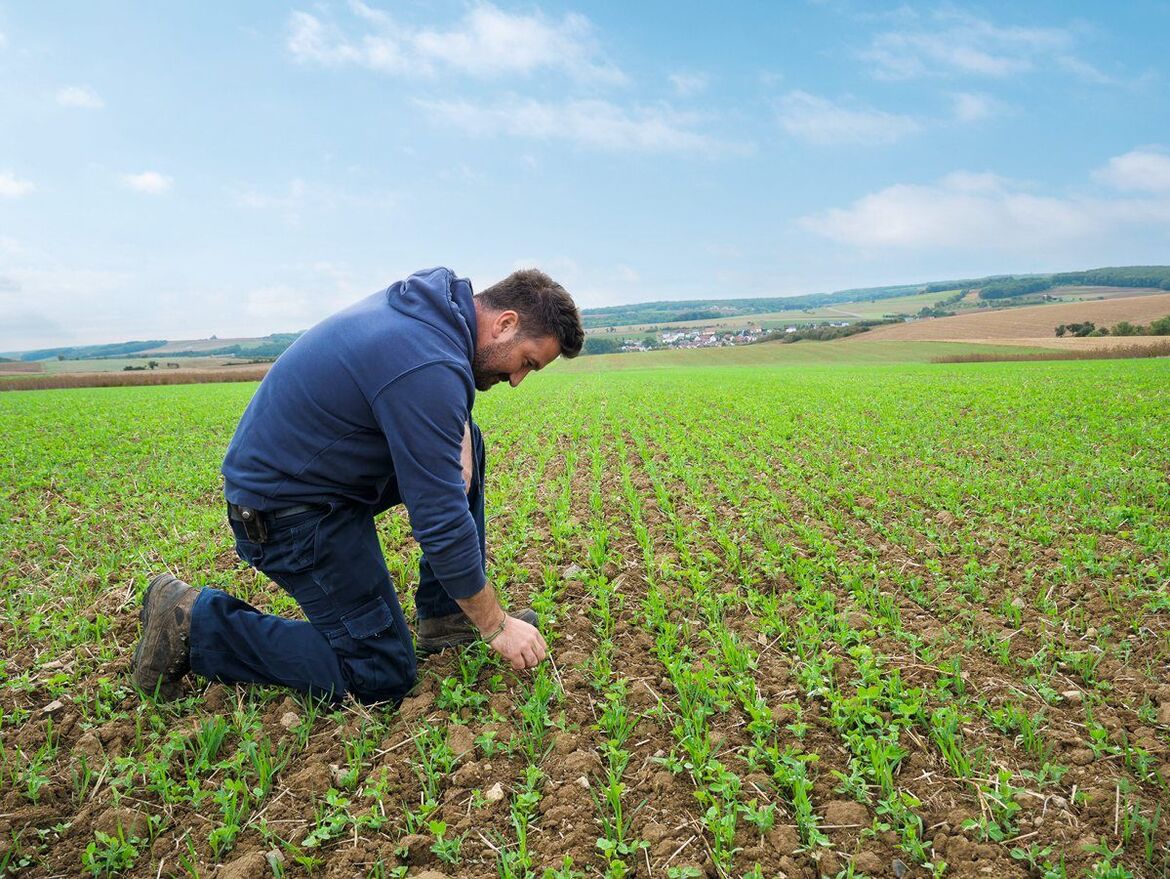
(368, 409)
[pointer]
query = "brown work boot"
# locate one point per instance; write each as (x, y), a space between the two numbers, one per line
(163, 654)
(439, 633)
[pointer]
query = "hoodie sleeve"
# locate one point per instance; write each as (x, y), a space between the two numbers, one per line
(422, 414)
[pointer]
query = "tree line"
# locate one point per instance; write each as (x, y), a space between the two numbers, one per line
(1159, 327)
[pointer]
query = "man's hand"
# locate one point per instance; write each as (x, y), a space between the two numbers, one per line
(521, 644)
(518, 642)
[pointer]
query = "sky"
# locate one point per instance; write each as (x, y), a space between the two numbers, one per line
(177, 170)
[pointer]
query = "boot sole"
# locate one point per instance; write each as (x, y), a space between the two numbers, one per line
(166, 690)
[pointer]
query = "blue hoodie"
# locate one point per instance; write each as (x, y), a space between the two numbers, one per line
(371, 400)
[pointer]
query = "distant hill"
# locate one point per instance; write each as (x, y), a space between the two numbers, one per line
(989, 289)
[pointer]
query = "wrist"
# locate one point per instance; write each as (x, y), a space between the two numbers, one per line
(489, 636)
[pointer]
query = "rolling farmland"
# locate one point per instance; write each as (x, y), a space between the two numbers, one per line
(819, 620)
(1035, 324)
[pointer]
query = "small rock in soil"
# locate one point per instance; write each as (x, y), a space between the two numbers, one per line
(846, 812)
(253, 865)
(495, 793)
(1073, 697)
(431, 874)
(571, 572)
(275, 858)
(289, 719)
(53, 708)
(582, 782)
(899, 868)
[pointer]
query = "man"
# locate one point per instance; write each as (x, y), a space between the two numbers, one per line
(368, 409)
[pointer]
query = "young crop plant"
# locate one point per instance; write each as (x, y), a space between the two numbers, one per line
(516, 863)
(110, 854)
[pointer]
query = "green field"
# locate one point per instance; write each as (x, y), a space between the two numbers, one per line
(805, 353)
(806, 619)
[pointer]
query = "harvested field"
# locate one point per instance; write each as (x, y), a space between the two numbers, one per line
(804, 621)
(243, 373)
(18, 367)
(1027, 323)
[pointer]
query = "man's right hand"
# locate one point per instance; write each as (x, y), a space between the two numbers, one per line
(520, 644)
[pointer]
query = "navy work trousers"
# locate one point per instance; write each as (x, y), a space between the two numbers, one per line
(355, 641)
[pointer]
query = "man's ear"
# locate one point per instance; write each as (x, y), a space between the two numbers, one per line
(506, 322)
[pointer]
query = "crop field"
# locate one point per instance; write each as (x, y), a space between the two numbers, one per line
(880, 620)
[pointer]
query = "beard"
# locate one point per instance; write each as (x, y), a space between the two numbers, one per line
(488, 366)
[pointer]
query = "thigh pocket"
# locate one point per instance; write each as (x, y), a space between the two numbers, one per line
(369, 619)
(378, 663)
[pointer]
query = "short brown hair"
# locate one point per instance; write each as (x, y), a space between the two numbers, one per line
(544, 306)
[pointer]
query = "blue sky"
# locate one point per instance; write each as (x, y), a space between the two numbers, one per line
(177, 170)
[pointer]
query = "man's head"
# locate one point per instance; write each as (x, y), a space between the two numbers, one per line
(523, 323)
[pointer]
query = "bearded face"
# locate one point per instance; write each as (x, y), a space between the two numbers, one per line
(493, 363)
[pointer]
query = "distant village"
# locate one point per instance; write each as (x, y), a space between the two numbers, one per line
(710, 337)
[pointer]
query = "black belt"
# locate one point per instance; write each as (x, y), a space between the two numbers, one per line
(236, 512)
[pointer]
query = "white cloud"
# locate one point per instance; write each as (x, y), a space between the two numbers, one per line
(12, 186)
(983, 212)
(961, 43)
(1145, 169)
(819, 120)
(974, 106)
(486, 42)
(686, 84)
(150, 182)
(591, 123)
(79, 96)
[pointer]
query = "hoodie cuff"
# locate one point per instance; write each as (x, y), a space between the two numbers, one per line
(464, 586)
